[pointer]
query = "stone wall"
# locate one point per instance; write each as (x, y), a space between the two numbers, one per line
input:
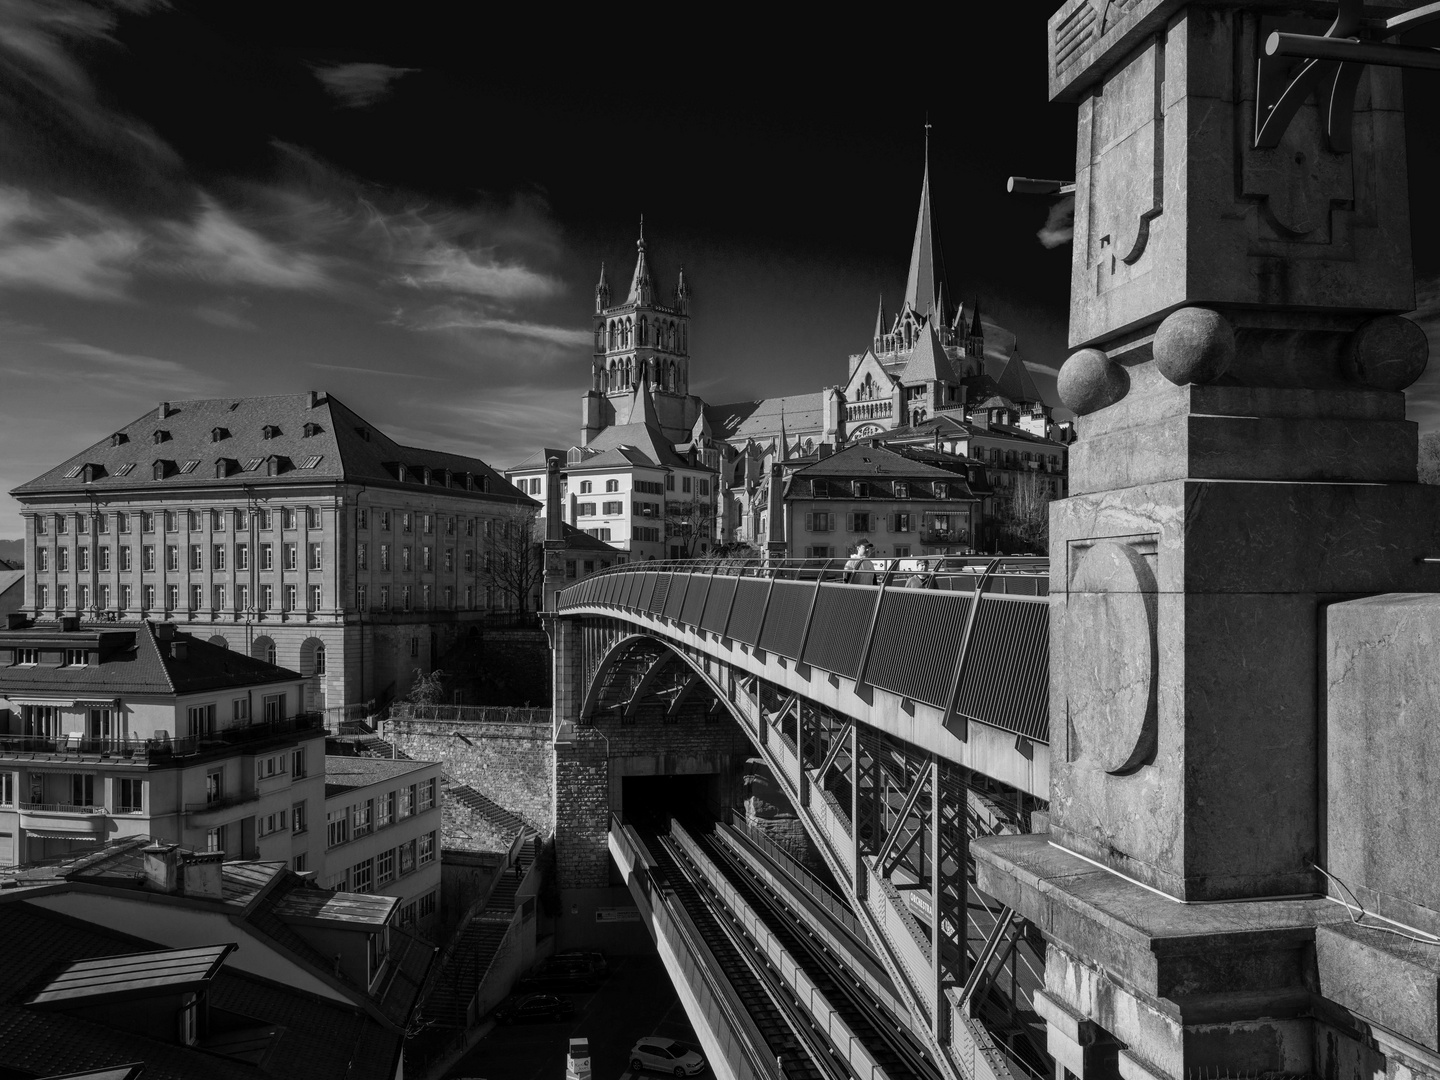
(512, 764)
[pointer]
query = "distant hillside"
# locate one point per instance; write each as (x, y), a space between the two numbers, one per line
(13, 552)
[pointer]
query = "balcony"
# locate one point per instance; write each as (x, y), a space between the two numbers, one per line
(869, 410)
(119, 749)
(62, 820)
(224, 802)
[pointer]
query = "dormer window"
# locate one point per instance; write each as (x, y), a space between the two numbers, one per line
(942, 490)
(118, 438)
(161, 469)
(902, 489)
(224, 467)
(311, 430)
(425, 474)
(218, 433)
(159, 436)
(862, 489)
(484, 483)
(469, 481)
(91, 472)
(269, 431)
(273, 465)
(363, 432)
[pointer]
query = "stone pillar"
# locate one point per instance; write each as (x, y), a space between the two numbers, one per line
(776, 544)
(554, 537)
(1244, 460)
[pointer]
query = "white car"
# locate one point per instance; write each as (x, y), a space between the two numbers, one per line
(665, 1056)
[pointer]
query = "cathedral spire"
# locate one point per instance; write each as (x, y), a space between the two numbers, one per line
(642, 290)
(602, 292)
(784, 438)
(880, 323)
(920, 284)
(682, 294)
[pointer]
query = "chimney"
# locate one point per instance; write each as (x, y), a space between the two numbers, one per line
(16, 620)
(312, 398)
(201, 874)
(164, 631)
(162, 863)
(179, 649)
(69, 623)
(164, 409)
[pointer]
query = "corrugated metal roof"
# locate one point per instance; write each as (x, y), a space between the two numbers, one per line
(102, 979)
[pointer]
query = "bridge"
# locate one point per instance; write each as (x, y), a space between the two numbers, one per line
(902, 712)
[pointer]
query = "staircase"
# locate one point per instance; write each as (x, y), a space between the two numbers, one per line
(506, 823)
(468, 960)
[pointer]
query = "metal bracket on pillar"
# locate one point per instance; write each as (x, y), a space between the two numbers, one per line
(836, 745)
(978, 981)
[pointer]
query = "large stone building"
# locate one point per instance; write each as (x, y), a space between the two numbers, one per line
(288, 528)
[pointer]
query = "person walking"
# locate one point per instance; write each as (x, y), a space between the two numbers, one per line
(860, 570)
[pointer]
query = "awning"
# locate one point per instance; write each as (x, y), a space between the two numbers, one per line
(47, 834)
(107, 703)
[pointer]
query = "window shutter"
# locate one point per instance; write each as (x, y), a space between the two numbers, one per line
(809, 522)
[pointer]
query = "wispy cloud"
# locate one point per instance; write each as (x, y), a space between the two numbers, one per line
(1059, 227)
(375, 371)
(118, 374)
(217, 247)
(457, 317)
(356, 86)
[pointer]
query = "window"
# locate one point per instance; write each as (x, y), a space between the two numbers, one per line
(297, 763)
(427, 558)
(612, 485)
(449, 597)
(312, 517)
(287, 517)
(337, 827)
(470, 561)
(407, 801)
(62, 524)
(271, 766)
(42, 595)
(859, 522)
(427, 523)
(290, 597)
(242, 556)
(406, 562)
(148, 557)
(170, 522)
(214, 787)
(819, 551)
(149, 598)
(702, 486)
(273, 704)
(7, 789)
(62, 559)
(405, 606)
(362, 818)
(301, 863)
(469, 597)
(384, 597)
(74, 657)
(271, 823)
(384, 866)
(217, 557)
(172, 557)
(316, 595)
(103, 554)
(197, 597)
(240, 710)
(125, 598)
(291, 552)
(425, 906)
(470, 527)
(82, 559)
(122, 522)
(264, 520)
(219, 597)
(297, 818)
(685, 485)
(449, 558)
(902, 490)
(424, 597)
(361, 556)
(585, 509)
(570, 568)
(62, 596)
(82, 524)
(42, 559)
(586, 487)
(427, 795)
(315, 563)
(126, 556)
(360, 596)
(42, 525)
(192, 521)
(172, 598)
(614, 509)
(427, 848)
(384, 810)
(27, 658)
(200, 720)
(407, 857)
(903, 523)
(405, 522)
(84, 598)
(362, 877)
(267, 597)
(215, 838)
(385, 520)
(820, 522)
(242, 520)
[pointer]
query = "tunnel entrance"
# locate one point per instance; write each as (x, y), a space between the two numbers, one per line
(656, 799)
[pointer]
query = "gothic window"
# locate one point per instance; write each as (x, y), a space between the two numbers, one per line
(629, 332)
(644, 329)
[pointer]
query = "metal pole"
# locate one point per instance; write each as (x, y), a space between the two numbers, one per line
(1352, 51)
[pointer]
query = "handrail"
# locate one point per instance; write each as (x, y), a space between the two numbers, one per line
(834, 568)
(59, 808)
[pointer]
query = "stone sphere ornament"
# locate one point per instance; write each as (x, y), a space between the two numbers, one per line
(1387, 353)
(1194, 345)
(1090, 381)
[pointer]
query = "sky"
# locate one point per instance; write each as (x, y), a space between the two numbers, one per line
(409, 210)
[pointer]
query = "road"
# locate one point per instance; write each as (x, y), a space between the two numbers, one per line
(636, 1000)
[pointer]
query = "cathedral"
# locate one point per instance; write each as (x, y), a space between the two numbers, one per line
(923, 377)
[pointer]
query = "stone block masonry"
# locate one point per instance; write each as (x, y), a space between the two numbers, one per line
(509, 763)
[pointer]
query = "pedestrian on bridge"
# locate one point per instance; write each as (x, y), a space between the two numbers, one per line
(860, 570)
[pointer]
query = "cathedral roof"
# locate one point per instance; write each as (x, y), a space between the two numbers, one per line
(1016, 382)
(928, 362)
(943, 425)
(637, 429)
(762, 419)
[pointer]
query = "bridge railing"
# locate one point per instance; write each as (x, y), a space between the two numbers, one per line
(967, 635)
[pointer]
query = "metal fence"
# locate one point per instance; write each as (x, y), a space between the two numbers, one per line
(970, 636)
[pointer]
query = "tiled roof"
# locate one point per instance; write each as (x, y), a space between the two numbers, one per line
(10, 579)
(314, 1039)
(760, 419)
(1016, 382)
(579, 540)
(344, 772)
(648, 439)
(133, 662)
(340, 446)
(945, 425)
(862, 461)
(928, 362)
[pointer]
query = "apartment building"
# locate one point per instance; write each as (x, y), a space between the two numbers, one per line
(382, 833)
(286, 528)
(109, 731)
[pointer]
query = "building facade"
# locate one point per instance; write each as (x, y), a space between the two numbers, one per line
(110, 731)
(382, 833)
(287, 528)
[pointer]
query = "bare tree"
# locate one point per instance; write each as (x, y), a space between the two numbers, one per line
(1023, 515)
(427, 689)
(516, 563)
(690, 524)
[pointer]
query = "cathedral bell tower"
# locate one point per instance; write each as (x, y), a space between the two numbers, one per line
(638, 339)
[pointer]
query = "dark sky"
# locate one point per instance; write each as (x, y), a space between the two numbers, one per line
(409, 209)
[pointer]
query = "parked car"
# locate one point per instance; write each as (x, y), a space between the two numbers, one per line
(596, 960)
(561, 974)
(655, 1054)
(533, 1007)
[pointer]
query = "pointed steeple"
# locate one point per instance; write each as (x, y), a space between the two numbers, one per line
(940, 306)
(642, 289)
(880, 321)
(784, 438)
(975, 330)
(682, 294)
(920, 284)
(602, 292)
